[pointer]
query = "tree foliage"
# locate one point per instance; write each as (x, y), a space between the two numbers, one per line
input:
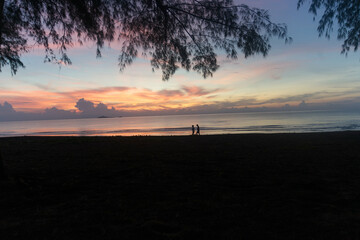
(345, 12)
(172, 33)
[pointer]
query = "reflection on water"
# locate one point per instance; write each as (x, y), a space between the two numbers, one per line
(230, 123)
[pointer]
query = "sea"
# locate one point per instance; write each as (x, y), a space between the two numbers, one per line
(220, 123)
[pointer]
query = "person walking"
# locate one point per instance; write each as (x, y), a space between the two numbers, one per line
(193, 130)
(197, 129)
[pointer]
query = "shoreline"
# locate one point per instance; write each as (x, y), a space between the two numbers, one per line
(273, 186)
(186, 135)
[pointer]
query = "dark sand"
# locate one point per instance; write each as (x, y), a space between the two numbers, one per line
(281, 186)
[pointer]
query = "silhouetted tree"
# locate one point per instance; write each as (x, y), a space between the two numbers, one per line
(173, 33)
(345, 12)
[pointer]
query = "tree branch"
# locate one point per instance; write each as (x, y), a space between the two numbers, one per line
(190, 35)
(2, 2)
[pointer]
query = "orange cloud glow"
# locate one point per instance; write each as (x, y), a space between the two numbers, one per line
(129, 98)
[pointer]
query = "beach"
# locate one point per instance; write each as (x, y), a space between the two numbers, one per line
(245, 186)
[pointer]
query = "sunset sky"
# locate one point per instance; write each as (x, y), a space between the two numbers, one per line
(309, 73)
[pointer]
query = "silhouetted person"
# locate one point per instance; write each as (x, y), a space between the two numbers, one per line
(193, 129)
(197, 129)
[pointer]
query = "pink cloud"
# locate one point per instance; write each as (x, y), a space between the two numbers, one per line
(256, 72)
(103, 90)
(170, 93)
(197, 91)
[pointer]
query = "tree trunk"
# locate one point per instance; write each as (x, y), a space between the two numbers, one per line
(1, 8)
(2, 5)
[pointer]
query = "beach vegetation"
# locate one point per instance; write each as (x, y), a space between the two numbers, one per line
(172, 34)
(344, 14)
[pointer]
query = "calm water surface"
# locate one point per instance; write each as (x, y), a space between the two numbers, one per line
(229, 123)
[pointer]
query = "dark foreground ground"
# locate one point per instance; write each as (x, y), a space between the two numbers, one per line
(286, 186)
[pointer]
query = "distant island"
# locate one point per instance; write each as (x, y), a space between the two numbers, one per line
(108, 117)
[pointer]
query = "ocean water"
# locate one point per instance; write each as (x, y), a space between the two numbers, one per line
(228, 123)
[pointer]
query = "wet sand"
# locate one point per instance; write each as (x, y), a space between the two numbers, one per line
(277, 186)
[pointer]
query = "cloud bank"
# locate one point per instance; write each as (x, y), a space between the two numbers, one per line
(86, 109)
(89, 109)
(132, 101)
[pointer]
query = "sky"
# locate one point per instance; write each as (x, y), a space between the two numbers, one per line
(308, 74)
